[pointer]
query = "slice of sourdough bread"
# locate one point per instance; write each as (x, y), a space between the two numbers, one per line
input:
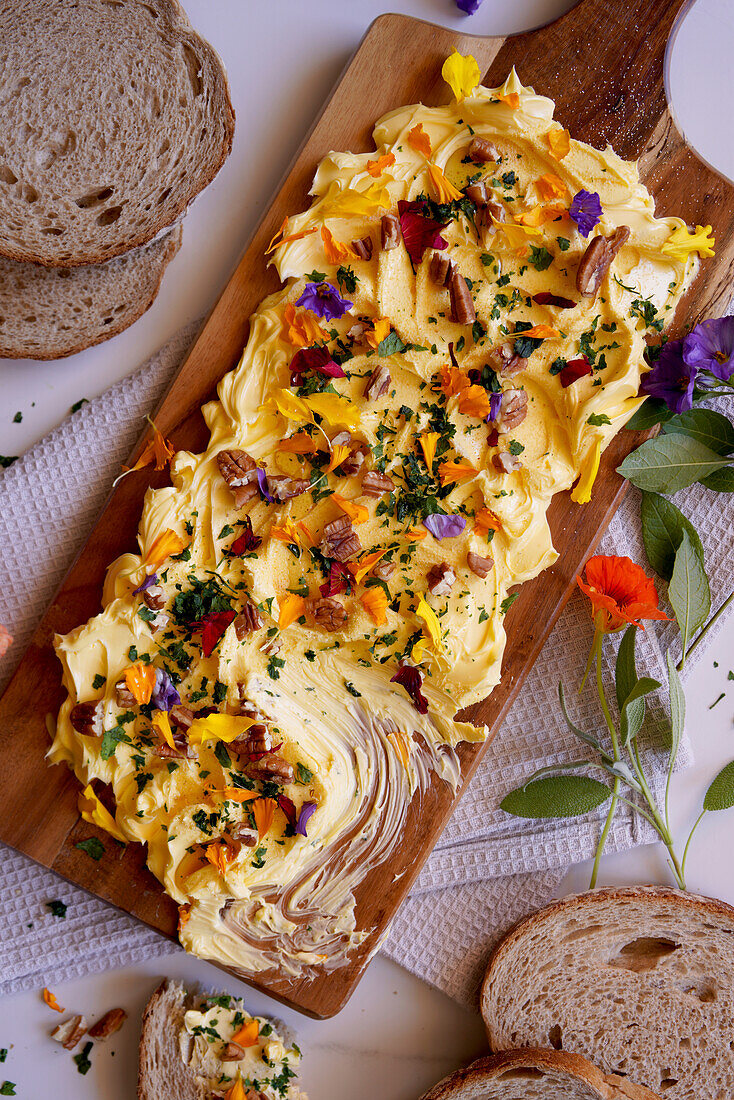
(116, 114)
(51, 312)
(638, 979)
(535, 1075)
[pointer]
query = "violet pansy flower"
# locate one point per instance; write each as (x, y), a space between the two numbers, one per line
(164, 695)
(585, 209)
(710, 346)
(671, 379)
(262, 481)
(324, 300)
(307, 809)
(468, 6)
(444, 527)
(495, 404)
(149, 581)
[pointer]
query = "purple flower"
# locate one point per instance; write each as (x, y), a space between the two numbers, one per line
(671, 378)
(164, 695)
(468, 6)
(306, 810)
(585, 209)
(495, 404)
(444, 527)
(411, 678)
(323, 299)
(262, 481)
(710, 346)
(151, 579)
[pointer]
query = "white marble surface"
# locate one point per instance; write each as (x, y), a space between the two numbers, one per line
(396, 1036)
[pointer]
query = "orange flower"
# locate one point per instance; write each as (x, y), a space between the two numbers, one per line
(428, 441)
(302, 330)
(356, 512)
(237, 1091)
(415, 534)
(299, 444)
(377, 167)
(334, 250)
(452, 380)
(51, 1001)
(559, 142)
(339, 452)
(474, 402)
(486, 521)
(541, 332)
(158, 449)
(512, 99)
(305, 531)
(539, 215)
(140, 680)
(165, 544)
(374, 601)
(184, 915)
(445, 190)
(263, 810)
(380, 329)
(550, 187)
(455, 471)
(247, 1034)
(419, 140)
(621, 593)
(360, 569)
(292, 606)
(285, 532)
(279, 239)
(217, 856)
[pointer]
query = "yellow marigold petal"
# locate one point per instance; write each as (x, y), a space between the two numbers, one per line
(236, 1091)
(680, 244)
(378, 166)
(95, 813)
(516, 235)
(415, 534)
(455, 471)
(559, 142)
(247, 1034)
(216, 855)
(358, 512)
(461, 73)
(234, 794)
(539, 215)
(285, 532)
(299, 444)
(541, 332)
(486, 521)
(423, 611)
(582, 490)
(419, 140)
(338, 453)
(445, 190)
(380, 329)
(263, 810)
(474, 402)
(163, 546)
(140, 680)
(161, 723)
(428, 443)
(333, 408)
(218, 727)
(374, 601)
(291, 607)
(401, 742)
(51, 1001)
(288, 404)
(348, 202)
(417, 652)
(452, 380)
(551, 187)
(360, 569)
(512, 99)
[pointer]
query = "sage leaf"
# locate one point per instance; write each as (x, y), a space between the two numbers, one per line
(669, 463)
(677, 710)
(688, 591)
(556, 796)
(709, 427)
(653, 411)
(720, 795)
(662, 530)
(632, 714)
(720, 481)
(625, 669)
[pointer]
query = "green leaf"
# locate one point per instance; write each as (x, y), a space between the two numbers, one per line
(110, 740)
(669, 463)
(93, 846)
(720, 795)
(586, 737)
(391, 345)
(632, 714)
(677, 709)
(625, 669)
(654, 411)
(556, 796)
(662, 530)
(721, 481)
(688, 591)
(711, 428)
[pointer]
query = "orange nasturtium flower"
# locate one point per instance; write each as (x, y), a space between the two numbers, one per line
(359, 569)
(335, 251)
(158, 450)
(51, 1001)
(292, 606)
(374, 601)
(428, 443)
(298, 444)
(474, 402)
(375, 335)
(247, 1034)
(263, 810)
(620, 592)
(486, 521)
(356, 512)
(455, 471)
(140, 681)
(550, 187)
(452, 380)
(419, 140)
(377, 167)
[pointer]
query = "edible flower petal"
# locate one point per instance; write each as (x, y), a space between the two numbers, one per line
(140, 680)
(347, 202)
(585, 209)
(162, 725)
(164, 546)
(517, 235)
(419, 140)
(474, 401)
(247, 541)
(486, 521)
(680, 244)
(287, 403)
(247, 1034)
(411, 678)
(445, 190)
(468, 7)
(262, 484)
(237, 1090)
(512, 99)
(360, 569)
(423, 611)
(374, 601)
(217, 856)
(324, 300)
(573, 370)
(672, 378)
(285, 531)
(357, 512)
(450, 472)
(218, 727)
(291, 607)
(307, 810)
(401, 743)
(541, 332)
(302, 330)
(164, 695)
(314, 360)
(263, 810)
(444, 527)
(150, 580)
(559, 142)
(236, 794)
(158, 450)
(379, 331)
(452, 380)
(710, 346)
(338, 453)
(545, 298)
(550, 187)
(428, 441)
(334, 250)
(378, 166)
(95, 813)
(415, 534)
(51, 1001)
(582, 490)
(279, 239)
(333, 408)
(337, 580)
(539, 215)
(495, 407)
(212, 628)
(299, 444)
(461, 73)
(620, 592)
(419, 230)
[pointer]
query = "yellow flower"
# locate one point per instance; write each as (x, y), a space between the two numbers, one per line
(428, 443)
(445, 191)
(380, 329)
(286, 402)
(419, 140)
(334, 250)
(401, 742)
(486, 521)
(377, 167)
(461, 73)
(539, 215)
(474, 401)
(517, 235)
(348, 202)
(357, 512)
(140, 681)
(302, 330)
(681, 243)
(291, 607)
(338, 453)
(512, 99)
(360, 569)
(374, 601)
(333, 408)
(162, 724)
(559, 142)
(218, 727)
(550, 187)
(95, 813)
(455, 471)
(285, 532)
(165, 544)
(582, 491)
(417, 652)
(423, 611)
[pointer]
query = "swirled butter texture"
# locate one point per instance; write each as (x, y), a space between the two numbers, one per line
(358, 747)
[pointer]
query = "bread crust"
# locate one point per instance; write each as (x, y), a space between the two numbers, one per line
(161, 1070)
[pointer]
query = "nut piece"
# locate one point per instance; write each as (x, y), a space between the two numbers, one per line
(477, 192)
(70, 1032)
(384, 570)
(86, 718)
(241, 833)
(375, 484)
(390, 232)
(328, 613)
(440, 579)
(483, 151)
(479, 565)
(462, 303)
(232, 1052)
(108, 1024)
(506, 360)
(379, 383)
(340, 541)
(182, 750)
(354, 461)
(271, 768)
(440, 269)
(363, 248)
(181, 716)
(285, 488)
(154, 598)
(239, 471)
(489, 213)
(247, 622)
(123, 695)
(513, 410)
(597, 260)
(506, 462)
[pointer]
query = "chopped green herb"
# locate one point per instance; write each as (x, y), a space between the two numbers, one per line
(597, 419)
(347, 280)
(93, 846)
(98, 681)
(83, 1064)
(540, 258)
(57, 908)
(508, 602)
(78, 404)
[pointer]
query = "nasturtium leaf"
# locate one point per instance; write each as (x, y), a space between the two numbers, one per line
(653, 411)
(677, 709)
(688, 591)
(662, 530)
(669, 463)
(556, 796)
(720, 795)
(709, 427)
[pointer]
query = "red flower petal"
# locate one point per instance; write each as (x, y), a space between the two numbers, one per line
(338, 580)
(317, 360)
(212, 628)
(411, 678)
(574, 369)
(545, 298)
(419, 230)
(247, 541)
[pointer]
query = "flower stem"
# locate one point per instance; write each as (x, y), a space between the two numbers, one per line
(605, 833)
(596, 650)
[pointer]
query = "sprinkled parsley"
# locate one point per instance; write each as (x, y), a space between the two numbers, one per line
(57, 908)
(93, 846)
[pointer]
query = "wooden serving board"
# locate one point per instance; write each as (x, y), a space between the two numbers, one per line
(603, 64)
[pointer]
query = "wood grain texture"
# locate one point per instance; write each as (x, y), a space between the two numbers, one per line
(603, 64)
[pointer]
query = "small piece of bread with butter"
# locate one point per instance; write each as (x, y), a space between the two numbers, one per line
(205, 1047)
(535, 1075)
(638, 979)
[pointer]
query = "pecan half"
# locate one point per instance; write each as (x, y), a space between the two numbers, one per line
(182, 750)
(597, 260)
(340, 540)
(379, 383)
(483, 151)
(491, 212)
(327, 612)
(477, 193)
(363, 248)
(123, 695)
(462, 303)
(232, 1052)
(181, 716)
(70, 1032)
(375, 484)
(271, 768)
(239, 471)
(241, 833)
(354, 461)
(513, 410)
(479, 565)
(247, 622)
(108, 1024)
(86, 718)
(440, 579)
(440, 268)
(285, 488)
(506, 462)
(384, 570)
(506, 361)
(389, 232)
(154, 598)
